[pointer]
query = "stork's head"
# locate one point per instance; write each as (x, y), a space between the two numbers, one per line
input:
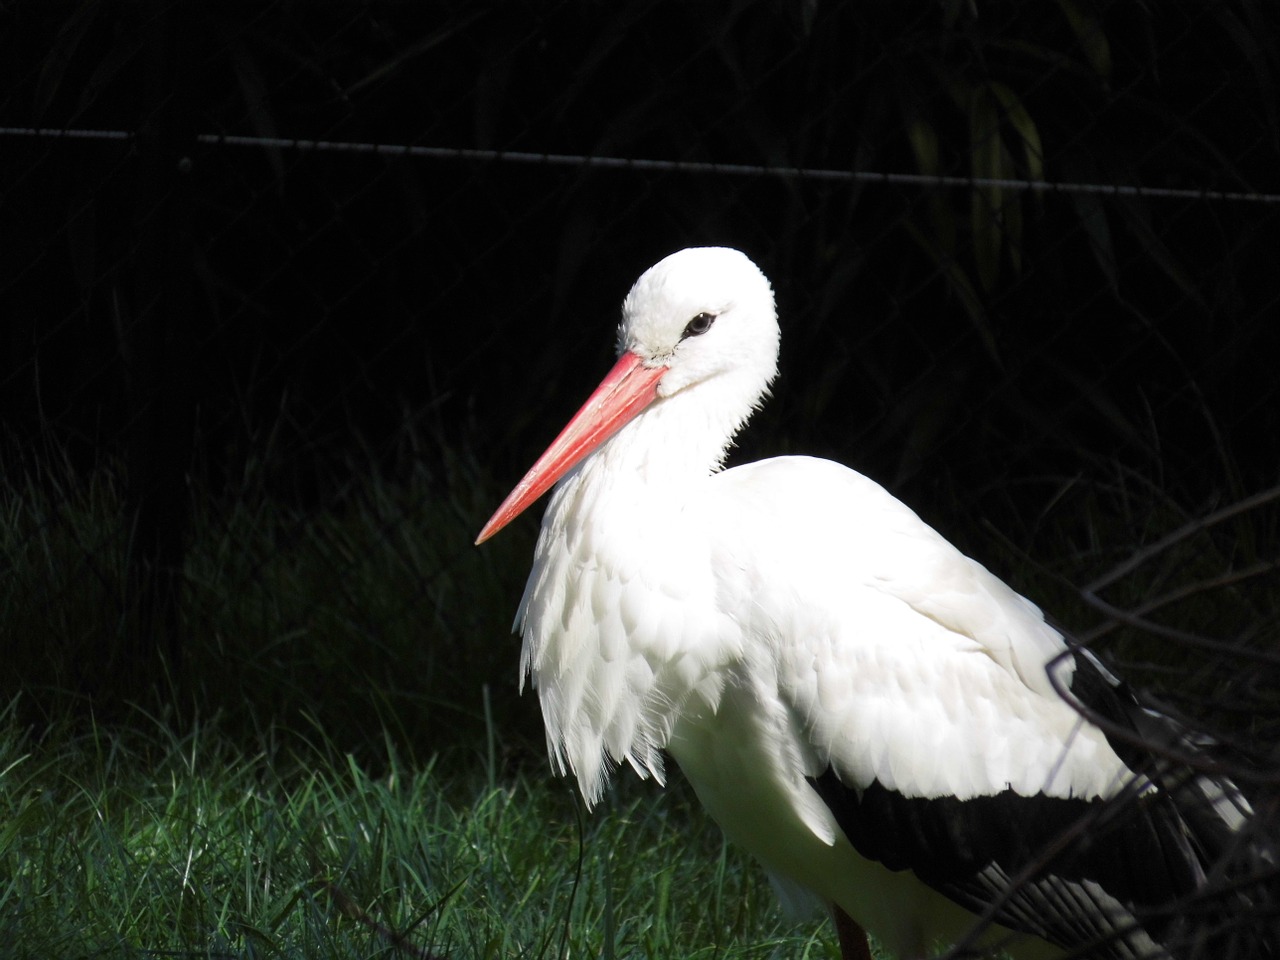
(701, 313)
(702, 316)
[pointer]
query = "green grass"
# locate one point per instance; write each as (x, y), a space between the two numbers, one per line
(145, 843)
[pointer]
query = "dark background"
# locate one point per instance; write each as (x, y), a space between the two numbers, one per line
(1056, 378)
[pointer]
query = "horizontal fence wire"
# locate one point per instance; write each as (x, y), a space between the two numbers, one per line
(639, 164)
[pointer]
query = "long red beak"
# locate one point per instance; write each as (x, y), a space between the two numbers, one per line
(628, 389)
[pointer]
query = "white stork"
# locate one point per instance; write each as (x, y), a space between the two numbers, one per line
(862, 707)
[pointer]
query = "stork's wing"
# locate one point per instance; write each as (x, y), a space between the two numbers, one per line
(905, 663)
(917, 682)
(996, 796)
(1077, 872)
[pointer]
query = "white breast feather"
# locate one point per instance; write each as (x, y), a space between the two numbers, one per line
(620, 632)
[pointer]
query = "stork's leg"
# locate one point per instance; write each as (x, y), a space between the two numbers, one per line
(852, 938)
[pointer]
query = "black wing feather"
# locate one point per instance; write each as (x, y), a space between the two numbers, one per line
(1112, 878)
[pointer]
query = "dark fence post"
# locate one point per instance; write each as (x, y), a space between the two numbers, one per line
(155, 345)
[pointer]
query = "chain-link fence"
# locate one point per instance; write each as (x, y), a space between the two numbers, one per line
(1025, 256)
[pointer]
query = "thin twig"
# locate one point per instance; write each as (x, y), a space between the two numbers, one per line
(399, 941)
(1186, 530)
(1136, 616)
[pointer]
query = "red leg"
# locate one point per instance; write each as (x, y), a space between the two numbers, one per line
(852, 938)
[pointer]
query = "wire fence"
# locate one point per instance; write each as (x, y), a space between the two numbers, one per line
(1026, 261)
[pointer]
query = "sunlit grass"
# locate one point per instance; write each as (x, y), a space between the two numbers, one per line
(146, 843)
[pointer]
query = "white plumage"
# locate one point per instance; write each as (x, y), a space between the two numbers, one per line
(855, 702)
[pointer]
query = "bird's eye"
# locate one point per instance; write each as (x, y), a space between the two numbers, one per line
(698, 325)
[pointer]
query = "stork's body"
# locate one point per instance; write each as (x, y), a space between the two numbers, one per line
(861, 706)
